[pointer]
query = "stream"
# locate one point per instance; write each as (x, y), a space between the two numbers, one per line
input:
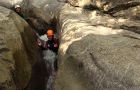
(44, 71)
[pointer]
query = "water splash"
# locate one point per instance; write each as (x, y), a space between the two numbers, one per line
(50, 57)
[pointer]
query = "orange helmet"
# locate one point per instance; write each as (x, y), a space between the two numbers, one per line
(50, 32)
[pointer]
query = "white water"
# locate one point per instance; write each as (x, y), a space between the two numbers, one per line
(50, 58)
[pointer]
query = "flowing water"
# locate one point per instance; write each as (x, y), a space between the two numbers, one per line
(43, 75)
(49, 57)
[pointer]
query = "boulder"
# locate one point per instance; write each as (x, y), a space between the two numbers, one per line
(46, 9)
(79, 3)
(94, 55)
(10, 3)
(18, 51)
(105, 5)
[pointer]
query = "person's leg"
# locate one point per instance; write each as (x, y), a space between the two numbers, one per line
(56, 64)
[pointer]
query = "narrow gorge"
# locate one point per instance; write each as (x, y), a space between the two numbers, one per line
(99, 45)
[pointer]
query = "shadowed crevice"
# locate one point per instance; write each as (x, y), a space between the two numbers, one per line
(4, 50)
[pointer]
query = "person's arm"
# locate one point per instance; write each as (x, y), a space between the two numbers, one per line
(56, 45)
(39, 42)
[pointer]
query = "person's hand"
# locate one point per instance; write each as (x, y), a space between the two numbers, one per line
(55, 45)
(39, 42)
(48, 45)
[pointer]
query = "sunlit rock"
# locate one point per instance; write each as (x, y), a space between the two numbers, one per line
(9, 3)
(95, 53)
(79, 3)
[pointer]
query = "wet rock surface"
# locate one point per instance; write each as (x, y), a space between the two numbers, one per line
(40, 76)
